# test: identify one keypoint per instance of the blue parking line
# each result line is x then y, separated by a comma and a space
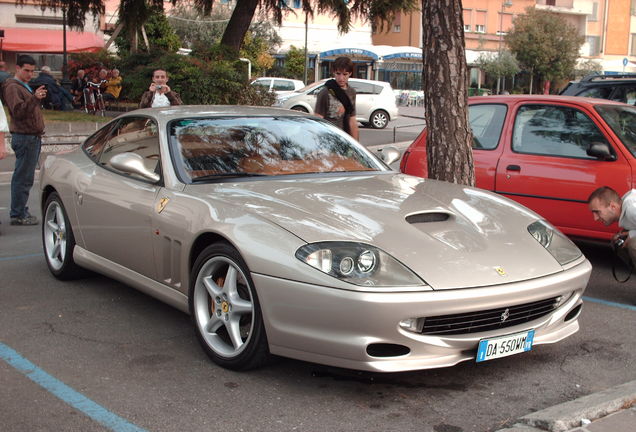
12, 258
77, 400
610, 303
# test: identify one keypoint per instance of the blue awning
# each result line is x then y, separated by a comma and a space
349, 52
403, 55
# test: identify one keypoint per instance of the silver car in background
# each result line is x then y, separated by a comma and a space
280, 86
375, 101
280, 234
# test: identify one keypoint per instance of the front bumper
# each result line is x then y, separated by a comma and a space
335, 327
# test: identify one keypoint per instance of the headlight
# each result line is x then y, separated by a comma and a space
357, 263
280, 99
559, 246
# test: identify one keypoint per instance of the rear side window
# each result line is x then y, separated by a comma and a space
486, 121
362, 87
554, 130
597, 92
283, 85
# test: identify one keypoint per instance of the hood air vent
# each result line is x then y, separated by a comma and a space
427, 217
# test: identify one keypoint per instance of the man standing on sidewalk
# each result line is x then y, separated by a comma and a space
27, 128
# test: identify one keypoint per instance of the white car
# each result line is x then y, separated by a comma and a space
279, 86
375, 102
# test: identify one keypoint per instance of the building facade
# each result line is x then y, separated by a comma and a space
30, 30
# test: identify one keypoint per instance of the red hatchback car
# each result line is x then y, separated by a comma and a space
548, 153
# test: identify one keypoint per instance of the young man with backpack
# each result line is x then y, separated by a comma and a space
337, 101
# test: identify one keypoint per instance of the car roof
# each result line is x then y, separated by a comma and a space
542, 98
180, 111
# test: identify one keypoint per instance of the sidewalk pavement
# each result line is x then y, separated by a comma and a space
611, 410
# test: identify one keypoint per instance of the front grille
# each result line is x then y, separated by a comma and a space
493, 319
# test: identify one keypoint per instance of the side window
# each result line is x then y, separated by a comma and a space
554, 130
597, 92
135, 135
362, 87
625, 94
265, 83
486, 121
283, 85
317, 90
94, 144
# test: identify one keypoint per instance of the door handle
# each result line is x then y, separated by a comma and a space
513, 168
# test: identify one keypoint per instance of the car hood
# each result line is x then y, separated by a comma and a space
452, 236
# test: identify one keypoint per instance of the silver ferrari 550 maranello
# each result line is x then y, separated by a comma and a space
279, 234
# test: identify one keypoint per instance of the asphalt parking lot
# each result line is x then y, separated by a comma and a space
94, 355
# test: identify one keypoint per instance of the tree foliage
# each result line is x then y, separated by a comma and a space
504, 65
160, 34
544, 44
381, 12
76, 10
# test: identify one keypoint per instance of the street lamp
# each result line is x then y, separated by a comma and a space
66, 83
504, 4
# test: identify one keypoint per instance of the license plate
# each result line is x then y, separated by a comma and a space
504, 346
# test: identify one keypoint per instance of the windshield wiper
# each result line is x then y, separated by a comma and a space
226, 175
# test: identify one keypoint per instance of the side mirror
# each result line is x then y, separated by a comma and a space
601, 151
132, 163
389, 154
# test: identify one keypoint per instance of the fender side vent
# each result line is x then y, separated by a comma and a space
427, 217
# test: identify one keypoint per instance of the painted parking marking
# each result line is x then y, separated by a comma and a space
73, 398
610, 303
19, 257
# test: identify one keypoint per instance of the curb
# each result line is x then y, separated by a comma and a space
568, 415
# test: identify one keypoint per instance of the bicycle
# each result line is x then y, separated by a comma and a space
93, 99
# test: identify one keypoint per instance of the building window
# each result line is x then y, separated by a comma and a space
550, 2
396, 28
633, 8
632, 51
297, 4
41, 20
593, 17
480, 21
594, 45
467, 15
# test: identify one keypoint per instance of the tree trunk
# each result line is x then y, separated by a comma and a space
239, 23
445, 84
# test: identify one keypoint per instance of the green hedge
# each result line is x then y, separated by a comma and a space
205, 77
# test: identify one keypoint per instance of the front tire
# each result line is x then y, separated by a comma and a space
225, 309
379, 119
300, 108
58, 240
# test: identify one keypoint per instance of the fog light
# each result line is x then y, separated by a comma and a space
412, 324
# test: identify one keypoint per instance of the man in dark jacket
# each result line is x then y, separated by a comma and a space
54, 91
27, 128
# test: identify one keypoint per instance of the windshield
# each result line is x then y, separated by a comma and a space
622, 120
208, 149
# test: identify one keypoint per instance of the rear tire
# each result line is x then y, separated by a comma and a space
225, 309
58, 240
379, 119
300, 108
